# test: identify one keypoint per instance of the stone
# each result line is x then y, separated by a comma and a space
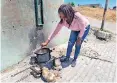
36, 75
48, 75
55, 54
59, 68
103, 35
36, 69
57, 62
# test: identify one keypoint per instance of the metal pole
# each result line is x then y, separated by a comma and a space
104, 14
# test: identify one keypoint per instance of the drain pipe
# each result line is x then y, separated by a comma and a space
36, 34
38, 4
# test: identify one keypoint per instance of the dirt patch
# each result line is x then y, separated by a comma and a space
97, 13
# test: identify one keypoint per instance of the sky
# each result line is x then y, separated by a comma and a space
112, 3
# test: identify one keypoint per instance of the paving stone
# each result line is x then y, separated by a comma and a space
92, 69
112, 73
96, 63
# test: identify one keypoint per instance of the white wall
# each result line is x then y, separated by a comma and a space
18, 28
50, 21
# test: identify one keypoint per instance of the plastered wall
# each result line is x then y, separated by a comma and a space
19, 34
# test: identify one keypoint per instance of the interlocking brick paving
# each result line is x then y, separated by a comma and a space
96, 63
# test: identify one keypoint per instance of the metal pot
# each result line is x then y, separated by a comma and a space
43, 55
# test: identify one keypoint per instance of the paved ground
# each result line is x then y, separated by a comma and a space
110, 26
96, 63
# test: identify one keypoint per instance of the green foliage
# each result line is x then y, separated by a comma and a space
72, 4
94, 6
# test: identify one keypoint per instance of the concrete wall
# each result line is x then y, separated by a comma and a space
18, 30
19, 35
50, 21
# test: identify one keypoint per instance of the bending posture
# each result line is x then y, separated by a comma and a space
79, 26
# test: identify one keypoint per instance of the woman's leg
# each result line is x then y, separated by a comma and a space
78, 47
72, 40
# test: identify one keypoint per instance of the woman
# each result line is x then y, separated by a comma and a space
79, 26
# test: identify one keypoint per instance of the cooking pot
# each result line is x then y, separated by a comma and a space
43, 55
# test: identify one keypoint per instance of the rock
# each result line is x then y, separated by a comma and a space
48, 75
57, 74
36, 69
36, 75
51, 77
103, 35
45, 71
57, 62
58, 68
55, 54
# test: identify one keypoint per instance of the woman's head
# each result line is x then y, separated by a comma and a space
66, 12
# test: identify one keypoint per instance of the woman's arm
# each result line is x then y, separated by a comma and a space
82, 30
79, 39
53, 34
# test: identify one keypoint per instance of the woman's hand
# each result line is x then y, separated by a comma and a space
79, 41
45, 43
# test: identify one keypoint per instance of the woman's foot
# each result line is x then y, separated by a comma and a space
73, 64
63, 59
